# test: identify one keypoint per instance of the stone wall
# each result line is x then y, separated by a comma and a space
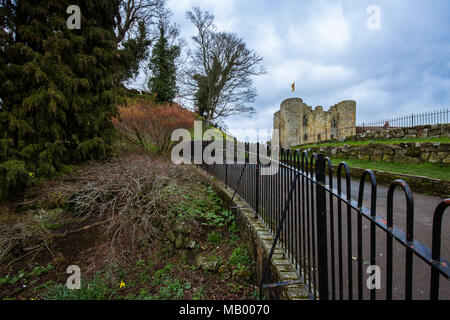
430, 186
426, 131
401, 153
259, 241
299, 123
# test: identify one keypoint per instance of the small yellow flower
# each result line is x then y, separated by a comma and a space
31, 174
122, 284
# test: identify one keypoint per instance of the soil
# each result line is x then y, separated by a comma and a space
121, 263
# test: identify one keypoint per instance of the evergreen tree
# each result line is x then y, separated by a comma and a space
61, 87
134, 51
163, 68
205, 91
201, 96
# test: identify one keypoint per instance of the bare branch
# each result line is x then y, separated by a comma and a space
131, 12
220, 71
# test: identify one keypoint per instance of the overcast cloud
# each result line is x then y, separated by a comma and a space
327, 49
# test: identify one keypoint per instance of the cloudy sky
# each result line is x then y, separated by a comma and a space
326, 47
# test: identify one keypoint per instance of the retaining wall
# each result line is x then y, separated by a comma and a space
401, 153
258, 240
425, 131
425, 185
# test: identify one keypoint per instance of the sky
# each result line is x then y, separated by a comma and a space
398, 66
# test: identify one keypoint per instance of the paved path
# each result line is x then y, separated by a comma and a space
424, 207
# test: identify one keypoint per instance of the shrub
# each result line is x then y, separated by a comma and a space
214, 237
151, 125
96, 289
240, 257
58, 88
14, 178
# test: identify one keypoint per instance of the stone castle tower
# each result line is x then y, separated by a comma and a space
299, 123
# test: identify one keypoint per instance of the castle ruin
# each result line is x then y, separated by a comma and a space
299, 123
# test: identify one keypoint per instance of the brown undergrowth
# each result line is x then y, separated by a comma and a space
112, 219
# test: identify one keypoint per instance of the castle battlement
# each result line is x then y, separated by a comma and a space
299, 123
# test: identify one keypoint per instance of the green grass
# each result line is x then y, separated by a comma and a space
430, 170
240, 257
25, 277
214, 237
95, 289
381, 141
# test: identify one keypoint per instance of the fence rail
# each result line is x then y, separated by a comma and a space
425, 118
329, 236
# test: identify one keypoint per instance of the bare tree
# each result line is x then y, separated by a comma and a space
136, 30
131, 12
219, 76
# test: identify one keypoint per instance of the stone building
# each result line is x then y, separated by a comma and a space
299, 123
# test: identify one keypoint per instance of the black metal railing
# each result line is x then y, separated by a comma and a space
425, 118
329, 236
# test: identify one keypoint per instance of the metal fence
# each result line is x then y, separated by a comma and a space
425, 118
332, 238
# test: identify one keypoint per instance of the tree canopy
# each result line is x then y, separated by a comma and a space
163, 80
219, 76
59, 87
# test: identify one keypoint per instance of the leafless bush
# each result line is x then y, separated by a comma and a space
21, 235
128, 196
130, 192
151, 125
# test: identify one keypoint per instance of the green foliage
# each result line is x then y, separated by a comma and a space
214, 237
221, 68
201, 95
96, 289
134, 96
140, 263
380, 141
207, 206
240, 257
168, 287
173, 289
23, 276
162, 65
162, 274
59, 88
38, 270
134, 50
241, 263
14, 178
198, 295
196, 204
431, 170
234, 240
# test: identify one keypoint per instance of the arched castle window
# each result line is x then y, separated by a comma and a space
305, 121
318, 137
333, 123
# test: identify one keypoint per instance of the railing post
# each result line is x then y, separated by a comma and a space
226, 174
224, 155
436, 247
257, 181
322, 263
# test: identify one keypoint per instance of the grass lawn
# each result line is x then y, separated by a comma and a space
430, 170
382, 141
